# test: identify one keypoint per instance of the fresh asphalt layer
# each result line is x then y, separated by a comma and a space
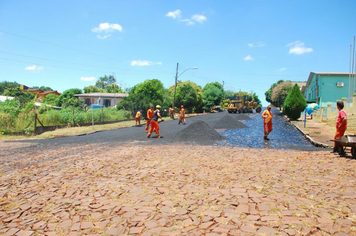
284, 135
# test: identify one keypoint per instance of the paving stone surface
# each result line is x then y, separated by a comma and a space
178, 190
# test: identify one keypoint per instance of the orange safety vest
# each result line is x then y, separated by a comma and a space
149, 113
182, 111
267, 116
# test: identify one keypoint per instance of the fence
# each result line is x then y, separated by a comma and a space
41, 129
39, 124
330, 113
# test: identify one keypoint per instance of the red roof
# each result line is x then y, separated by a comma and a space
49, 92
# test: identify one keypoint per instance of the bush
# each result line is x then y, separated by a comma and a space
294, 103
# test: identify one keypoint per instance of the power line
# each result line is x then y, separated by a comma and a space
6, 59
69, 68
46, 59
57, 45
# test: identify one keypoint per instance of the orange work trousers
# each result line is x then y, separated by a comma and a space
268, 127
182, 120
154, 126
137, 120
148, 124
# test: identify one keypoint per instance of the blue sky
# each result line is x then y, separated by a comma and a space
247, 44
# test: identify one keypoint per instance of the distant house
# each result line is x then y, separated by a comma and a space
300, 84
326, 88
40, 94
44, 94
105, 99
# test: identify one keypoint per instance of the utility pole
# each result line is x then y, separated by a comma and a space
175, 86
176, 77
223, 98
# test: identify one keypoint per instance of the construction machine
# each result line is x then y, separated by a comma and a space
242, 104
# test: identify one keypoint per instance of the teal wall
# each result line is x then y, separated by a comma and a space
310, 91
329, 92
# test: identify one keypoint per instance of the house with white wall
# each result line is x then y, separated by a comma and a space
104, 99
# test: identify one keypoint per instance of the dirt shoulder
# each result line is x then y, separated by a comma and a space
319, 132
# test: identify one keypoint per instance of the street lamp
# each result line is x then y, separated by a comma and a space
176, 77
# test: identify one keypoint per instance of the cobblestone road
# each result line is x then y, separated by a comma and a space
109, 188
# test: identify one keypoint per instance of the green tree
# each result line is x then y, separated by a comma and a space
6, 85
197, 107
268, 93
229, 94
142, 95
114, 88
65, 99
102, 82
294, 103
50, 99
93, 89
12, 107
186, 95
213, 94
280, 93
43, 88
256, 99
22, 97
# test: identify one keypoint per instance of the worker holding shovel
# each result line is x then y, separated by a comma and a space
154, 122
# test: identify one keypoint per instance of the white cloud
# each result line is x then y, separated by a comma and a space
282, 69
144, 63
199, 18
34, 67
103, 37
177, 14
259, 44
189, 22
248, 58
298, 48
105, 29
87, 78
174, 14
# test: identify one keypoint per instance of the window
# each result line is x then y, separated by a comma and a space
107, 102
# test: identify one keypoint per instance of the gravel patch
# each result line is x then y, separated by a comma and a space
228, 122
198, 132
243, 117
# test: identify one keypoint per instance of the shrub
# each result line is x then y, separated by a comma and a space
280, 92
294, 103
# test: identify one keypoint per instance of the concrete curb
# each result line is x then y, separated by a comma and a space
316, 144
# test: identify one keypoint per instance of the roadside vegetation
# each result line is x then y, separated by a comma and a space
18, 115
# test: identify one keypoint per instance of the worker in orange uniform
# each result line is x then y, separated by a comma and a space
268, 126
341, 126
182, 115
138, 118
154, 122
171, 113
149, 117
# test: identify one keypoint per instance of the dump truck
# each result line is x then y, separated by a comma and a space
243, 105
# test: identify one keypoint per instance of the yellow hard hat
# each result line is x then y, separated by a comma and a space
158, 107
